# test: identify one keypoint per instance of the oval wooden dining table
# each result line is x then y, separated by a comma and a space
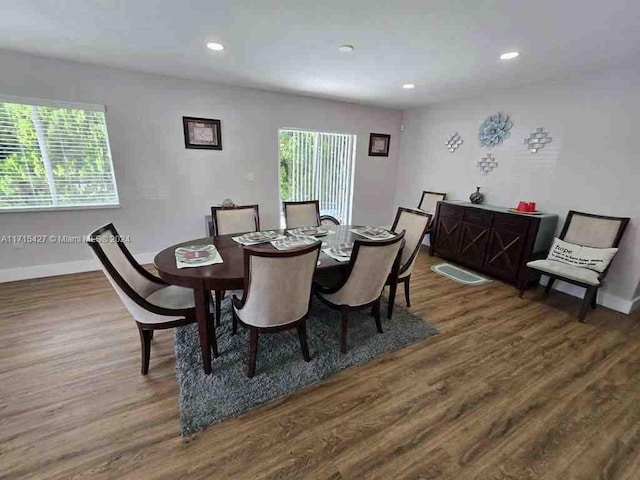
229, 275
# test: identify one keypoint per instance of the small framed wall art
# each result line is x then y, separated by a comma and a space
203, 133
379, 144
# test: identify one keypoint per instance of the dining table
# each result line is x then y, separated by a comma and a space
229, 275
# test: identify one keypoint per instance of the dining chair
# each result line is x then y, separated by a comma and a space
587, 230
371, 263
235, 219
229, 220
429, 202
302, 214
277, 294
152, 303
328, 220
415, 223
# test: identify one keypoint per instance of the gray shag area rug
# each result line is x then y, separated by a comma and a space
280, 368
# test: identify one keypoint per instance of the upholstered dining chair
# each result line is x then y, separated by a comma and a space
415, 223
152, 303
587, 230
371, 263
229, 220
235, 219
277, 294
429, 201
302, 214
328, 220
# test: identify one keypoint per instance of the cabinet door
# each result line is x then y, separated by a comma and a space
504, 253
447, 237
473, 243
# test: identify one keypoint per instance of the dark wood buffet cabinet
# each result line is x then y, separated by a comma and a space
491, 240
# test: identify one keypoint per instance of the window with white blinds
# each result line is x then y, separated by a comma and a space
318, 166
54, 156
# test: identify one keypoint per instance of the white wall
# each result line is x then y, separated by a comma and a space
165, 189
593, 163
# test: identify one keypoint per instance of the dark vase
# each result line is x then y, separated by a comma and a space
476, 197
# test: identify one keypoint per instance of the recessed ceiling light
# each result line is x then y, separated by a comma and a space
509, 55
215, 46
346, 48
408, 86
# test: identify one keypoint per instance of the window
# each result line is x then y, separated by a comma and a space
318, 166
54, 156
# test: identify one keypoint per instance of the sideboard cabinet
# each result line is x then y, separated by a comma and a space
491, 240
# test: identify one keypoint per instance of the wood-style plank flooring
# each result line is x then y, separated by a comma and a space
510, 389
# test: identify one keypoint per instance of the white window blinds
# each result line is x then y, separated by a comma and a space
318, 166
54, 156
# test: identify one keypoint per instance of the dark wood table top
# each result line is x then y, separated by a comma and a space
229, 275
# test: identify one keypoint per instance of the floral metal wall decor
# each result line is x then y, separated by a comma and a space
455, 140
495, 129
487, 163
537, 140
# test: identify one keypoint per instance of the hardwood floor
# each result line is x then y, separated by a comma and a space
510, 389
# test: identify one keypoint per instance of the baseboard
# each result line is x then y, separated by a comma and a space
605, 299
53, 269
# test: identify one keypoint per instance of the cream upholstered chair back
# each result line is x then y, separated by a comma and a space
236, 219
594, 231
415, 224
277, 285
371, 263
429, 201
131, 282
302, 214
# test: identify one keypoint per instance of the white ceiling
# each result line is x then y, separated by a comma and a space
448, 48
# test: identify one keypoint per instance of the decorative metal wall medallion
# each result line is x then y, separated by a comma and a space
486, 164
455, 140
537, 140
495, 129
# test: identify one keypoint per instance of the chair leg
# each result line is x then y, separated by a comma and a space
151, 334
392, 298
376, 315
234, 321
586, 303
406, 282
594, 300
343, 336
524, 282
547, 289
253, 351
211, 326
218, 295
145, 344
302, 336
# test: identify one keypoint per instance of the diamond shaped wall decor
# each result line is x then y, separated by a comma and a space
537, 140
455, 140
487, 163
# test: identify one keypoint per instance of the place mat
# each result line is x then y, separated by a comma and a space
256, 238
293, 241
373, 233
197, 256
341, 253
310, 231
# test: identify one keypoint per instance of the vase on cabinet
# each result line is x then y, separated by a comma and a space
476, 197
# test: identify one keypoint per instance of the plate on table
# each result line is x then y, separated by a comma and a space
342, 250
293, 241
265, 236
196, 254
310, 231
375, 232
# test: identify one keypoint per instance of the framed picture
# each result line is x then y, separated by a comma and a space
204, 133
379, 144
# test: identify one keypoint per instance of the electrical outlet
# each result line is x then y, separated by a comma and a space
251, 176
